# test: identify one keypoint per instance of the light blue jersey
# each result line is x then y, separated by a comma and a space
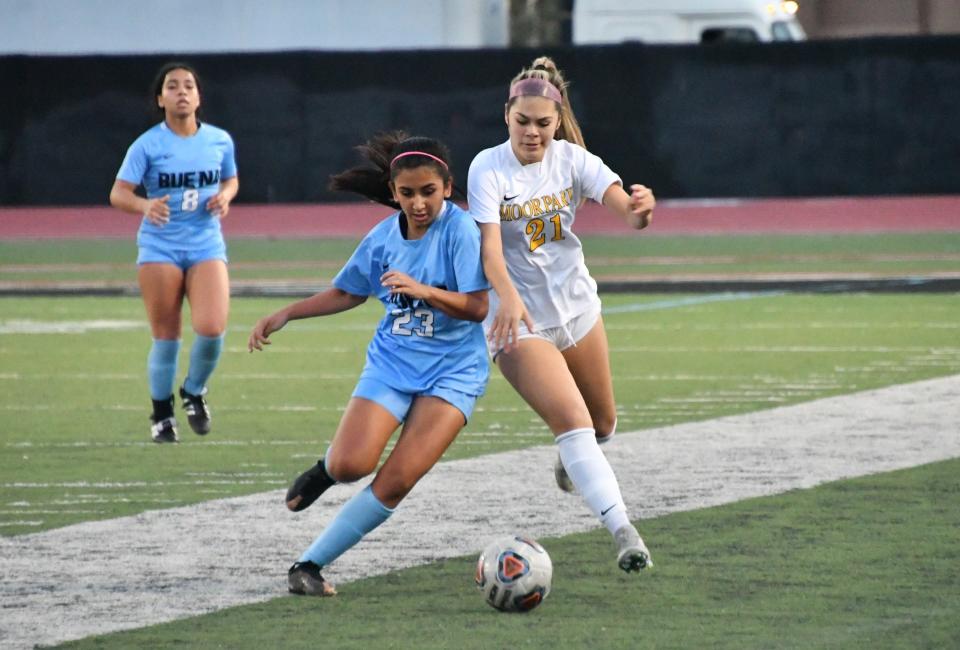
417, 346
189, 169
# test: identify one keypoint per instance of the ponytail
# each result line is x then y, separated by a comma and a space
388, 153
545, 68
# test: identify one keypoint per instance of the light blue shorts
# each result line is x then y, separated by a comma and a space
398, 402
181, 258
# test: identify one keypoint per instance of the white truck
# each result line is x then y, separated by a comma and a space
684, 21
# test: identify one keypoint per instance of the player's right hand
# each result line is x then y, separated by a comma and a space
158, 212
505, 329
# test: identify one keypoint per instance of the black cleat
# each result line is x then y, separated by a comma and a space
308, 487
198, 413
165, 431
304, 578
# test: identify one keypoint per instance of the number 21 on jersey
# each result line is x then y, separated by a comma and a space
537, 228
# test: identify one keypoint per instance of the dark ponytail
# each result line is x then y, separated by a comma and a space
380, 150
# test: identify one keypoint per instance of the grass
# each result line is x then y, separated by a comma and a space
75, 442
866, 563
608, 257
863, 563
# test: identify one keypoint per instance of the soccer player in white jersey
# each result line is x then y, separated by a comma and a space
544, 326
427, 363
189, 174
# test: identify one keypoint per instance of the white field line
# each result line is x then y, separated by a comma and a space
162, 565
27, 326
779, 327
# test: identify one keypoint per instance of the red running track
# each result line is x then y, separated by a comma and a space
706, 217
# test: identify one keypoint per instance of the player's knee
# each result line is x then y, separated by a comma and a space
348, 470
167, 332
210, 329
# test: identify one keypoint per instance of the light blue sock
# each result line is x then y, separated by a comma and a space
162, 367
358, 516
204, 354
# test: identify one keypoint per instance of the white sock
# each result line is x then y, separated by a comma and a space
590, 472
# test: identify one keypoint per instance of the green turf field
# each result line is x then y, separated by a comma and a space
863, 563
608, 257
76, 444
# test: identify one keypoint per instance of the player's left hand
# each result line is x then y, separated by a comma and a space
218, 205
642, 203
399, 282
260, 335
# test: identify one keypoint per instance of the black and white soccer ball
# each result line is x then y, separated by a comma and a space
514, 573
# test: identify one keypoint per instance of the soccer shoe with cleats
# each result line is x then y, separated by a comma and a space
308, 487
304, 578
198, 413
632, 553
165, 431
563, 479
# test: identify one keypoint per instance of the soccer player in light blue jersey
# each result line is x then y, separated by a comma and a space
189, 175
427, 363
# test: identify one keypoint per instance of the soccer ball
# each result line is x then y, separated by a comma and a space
514, 573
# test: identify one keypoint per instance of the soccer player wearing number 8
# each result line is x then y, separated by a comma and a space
427, 363
189, 175
544, 327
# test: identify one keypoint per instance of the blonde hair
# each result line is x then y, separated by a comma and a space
544, 68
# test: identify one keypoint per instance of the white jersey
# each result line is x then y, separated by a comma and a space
536, 205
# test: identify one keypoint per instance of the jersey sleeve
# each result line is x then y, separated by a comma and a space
465, 254
595, 176
135, 163
483, 193
228, 168
354, 277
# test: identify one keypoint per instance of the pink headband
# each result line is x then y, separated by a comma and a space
535, 87
417, 153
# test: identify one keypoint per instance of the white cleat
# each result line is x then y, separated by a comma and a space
632, 553
563, 479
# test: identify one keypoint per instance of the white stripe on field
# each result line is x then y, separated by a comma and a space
161, 565
780, 326
673, 303
27, 326
793, 349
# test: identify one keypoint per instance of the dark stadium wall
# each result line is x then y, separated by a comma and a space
820, 118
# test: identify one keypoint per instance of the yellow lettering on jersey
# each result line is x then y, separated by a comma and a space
526, 210
537, 210
509, 212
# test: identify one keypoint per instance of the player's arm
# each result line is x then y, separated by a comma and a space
504, 330
484, 198
331, 301
219, 203
636, 208
123, 197
471, 305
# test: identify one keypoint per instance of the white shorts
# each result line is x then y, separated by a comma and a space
563, 336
